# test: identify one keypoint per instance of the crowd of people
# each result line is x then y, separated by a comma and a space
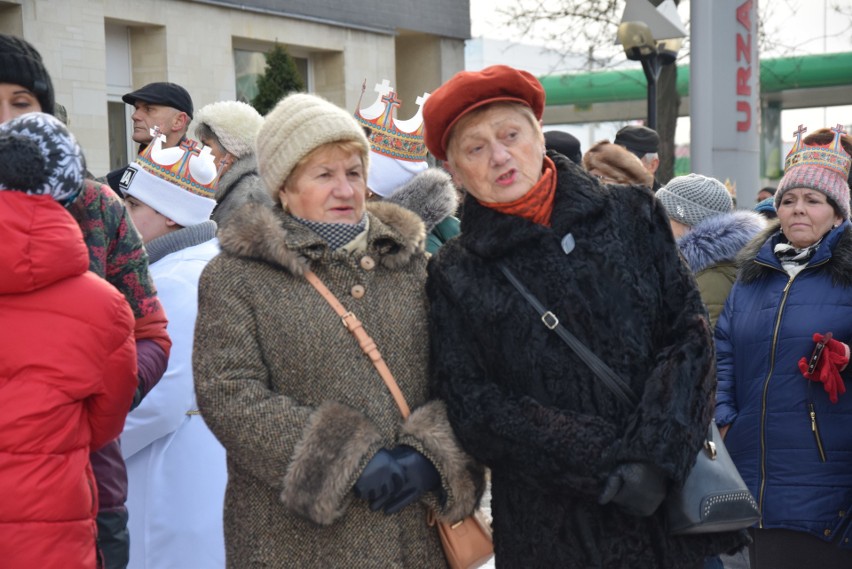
198, 402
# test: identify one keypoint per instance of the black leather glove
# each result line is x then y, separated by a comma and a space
421, 476
380, 481
637, 487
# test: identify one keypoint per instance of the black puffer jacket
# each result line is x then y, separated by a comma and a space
523, 404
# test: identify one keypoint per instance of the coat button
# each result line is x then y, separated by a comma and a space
842, 513
827, 532
357, 291
367, 263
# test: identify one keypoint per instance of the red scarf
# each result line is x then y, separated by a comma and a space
537, 204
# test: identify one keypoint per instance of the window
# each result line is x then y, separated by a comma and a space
119, 82
250, 65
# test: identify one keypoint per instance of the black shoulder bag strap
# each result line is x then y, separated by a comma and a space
610, 379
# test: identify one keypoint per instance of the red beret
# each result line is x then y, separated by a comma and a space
469, 90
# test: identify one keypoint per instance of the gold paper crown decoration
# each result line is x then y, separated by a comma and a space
831, 156
402, 140
189, 165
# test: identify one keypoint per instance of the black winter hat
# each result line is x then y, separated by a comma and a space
639, 140
565, 144
21, 64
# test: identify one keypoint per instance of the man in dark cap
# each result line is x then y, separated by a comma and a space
166, 106
565, 144
644, 142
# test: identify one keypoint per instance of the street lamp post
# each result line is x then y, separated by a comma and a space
651, 66
639, 45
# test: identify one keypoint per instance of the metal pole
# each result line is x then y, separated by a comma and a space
651, 66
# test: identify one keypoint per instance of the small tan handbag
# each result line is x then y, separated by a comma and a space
467, 543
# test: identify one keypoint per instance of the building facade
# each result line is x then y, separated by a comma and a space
98, 50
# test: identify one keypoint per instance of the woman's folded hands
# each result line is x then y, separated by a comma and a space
395, 478
637, 487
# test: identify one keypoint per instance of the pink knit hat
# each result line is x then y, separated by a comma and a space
824, 168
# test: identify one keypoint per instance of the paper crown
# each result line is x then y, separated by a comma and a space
178, 182
830, 156
402, 140
189, 165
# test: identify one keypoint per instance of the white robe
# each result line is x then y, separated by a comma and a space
175, 466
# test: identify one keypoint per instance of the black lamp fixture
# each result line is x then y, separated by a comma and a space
639, 45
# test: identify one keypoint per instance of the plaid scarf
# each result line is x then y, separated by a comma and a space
336, 234
537, 204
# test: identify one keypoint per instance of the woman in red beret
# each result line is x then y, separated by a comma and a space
603, 260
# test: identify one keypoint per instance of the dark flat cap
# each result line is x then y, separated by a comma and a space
564, 143
639, 140
166, 94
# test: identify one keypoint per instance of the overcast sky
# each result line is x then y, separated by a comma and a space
800, 27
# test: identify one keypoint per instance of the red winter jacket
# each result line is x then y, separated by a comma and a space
67, 378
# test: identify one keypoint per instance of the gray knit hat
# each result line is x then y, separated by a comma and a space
299, 124
693, 198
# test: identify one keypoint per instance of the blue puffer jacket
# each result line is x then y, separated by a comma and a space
792, 446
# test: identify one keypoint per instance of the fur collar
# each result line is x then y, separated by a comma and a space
839, 241
578, 197
430, 194
245, 166
268, 234
719, 238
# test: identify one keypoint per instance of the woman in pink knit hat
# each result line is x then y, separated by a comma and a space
782, 344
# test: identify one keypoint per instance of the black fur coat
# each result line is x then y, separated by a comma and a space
524, 405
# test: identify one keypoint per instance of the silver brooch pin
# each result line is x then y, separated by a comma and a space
568, 243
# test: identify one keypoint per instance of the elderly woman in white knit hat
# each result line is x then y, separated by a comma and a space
229, 129
709, 234
323, 471
782, 345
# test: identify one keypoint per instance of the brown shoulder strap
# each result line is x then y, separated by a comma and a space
351, 322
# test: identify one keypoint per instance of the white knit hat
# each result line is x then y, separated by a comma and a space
299, 124
693, 198
234, 123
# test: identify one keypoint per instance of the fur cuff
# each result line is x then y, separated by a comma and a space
337, 441
428, 430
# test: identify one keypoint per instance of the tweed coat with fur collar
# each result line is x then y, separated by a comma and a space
522, 403
299, 408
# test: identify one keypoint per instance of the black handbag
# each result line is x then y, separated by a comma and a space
714, 497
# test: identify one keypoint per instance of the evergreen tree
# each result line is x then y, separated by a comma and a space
280, 79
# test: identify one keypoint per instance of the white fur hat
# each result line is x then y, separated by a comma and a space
234, 123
